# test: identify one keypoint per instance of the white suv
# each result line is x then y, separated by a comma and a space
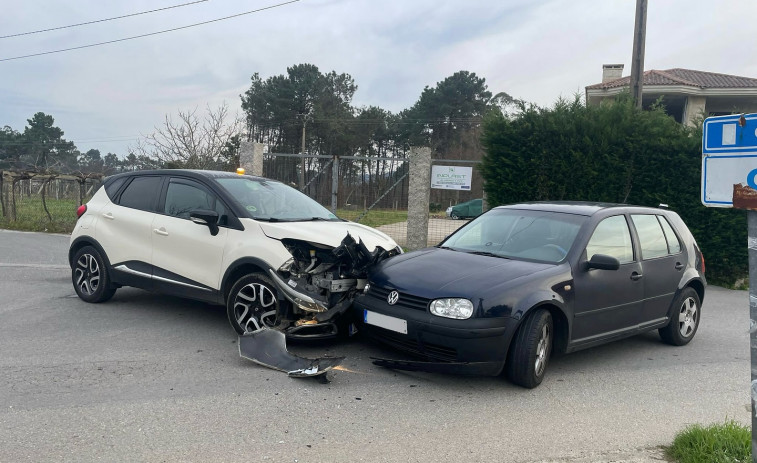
272, 255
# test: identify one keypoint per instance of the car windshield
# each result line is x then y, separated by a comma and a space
273, 201
518, 234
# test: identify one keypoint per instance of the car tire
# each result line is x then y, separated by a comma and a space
251, 296
89, 276
684, 319
530, 350
454, 215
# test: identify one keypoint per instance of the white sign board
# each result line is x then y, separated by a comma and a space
451, 177
729, 161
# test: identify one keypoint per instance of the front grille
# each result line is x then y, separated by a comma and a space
412, 346
405, 300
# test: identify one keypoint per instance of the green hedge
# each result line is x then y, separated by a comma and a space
613, 153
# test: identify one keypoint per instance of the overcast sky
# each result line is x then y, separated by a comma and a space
105, 97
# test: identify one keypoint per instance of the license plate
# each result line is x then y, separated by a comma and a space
384, 321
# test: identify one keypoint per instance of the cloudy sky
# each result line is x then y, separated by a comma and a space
106, 97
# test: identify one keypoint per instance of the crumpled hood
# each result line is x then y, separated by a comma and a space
328, 233
435, 272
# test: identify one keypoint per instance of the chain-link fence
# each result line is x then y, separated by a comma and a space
375, 191
43, 202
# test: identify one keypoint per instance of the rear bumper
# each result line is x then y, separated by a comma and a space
475, 346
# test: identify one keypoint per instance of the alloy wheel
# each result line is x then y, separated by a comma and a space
251, 303
87, 274
542, 350
688, 317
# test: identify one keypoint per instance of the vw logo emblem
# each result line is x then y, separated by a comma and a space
393, 297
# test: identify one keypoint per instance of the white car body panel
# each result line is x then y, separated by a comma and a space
328, 233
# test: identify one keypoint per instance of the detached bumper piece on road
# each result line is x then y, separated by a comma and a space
267, 347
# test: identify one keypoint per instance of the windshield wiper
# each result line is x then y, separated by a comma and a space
487, 253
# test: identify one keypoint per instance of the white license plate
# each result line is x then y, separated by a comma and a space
384, 321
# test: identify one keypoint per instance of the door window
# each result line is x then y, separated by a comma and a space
141, 193
674, 246
651, 236
612, 238
183, 197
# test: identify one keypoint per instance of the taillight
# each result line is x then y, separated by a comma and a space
702, 256
80, 211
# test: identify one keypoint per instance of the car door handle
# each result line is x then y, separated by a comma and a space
160, 231
635, 276
679, 266
108, 215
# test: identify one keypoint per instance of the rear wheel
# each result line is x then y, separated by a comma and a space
90, 276
252, 303
684, 321
530, 350
454, 215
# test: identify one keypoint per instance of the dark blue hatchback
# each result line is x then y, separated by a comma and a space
522, 281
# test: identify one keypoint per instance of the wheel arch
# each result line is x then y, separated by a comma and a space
238, 269
698, 286
560, 325
83, 241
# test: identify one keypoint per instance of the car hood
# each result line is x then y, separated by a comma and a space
436, 272
327, 233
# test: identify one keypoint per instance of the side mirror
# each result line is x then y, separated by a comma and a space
205, 217
603, 262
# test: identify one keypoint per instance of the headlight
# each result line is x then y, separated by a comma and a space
452, 308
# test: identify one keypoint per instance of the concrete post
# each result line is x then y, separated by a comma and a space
418, 197
251, 157
752, 253
334, 183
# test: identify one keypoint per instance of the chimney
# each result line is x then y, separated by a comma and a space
611, 72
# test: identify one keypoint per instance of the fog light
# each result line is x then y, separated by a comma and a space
457, 308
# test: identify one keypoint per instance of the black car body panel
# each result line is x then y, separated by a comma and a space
588, 306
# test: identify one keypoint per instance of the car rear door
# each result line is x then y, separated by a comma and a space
607, 302
187, 259
663, 262
123, 229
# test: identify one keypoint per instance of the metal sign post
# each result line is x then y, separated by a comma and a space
729, 179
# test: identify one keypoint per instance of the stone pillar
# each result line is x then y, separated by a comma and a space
251, 157
418, 197
695, 107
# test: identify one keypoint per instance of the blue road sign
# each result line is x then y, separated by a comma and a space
729, 161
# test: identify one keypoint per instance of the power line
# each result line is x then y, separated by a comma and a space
151, 33
99, 20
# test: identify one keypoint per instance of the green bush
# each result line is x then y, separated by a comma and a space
611, 153
729, 442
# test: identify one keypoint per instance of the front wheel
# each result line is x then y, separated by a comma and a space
684, 321
530, 350
90, 276
252, 303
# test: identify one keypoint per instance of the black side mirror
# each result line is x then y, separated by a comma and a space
205, 217
603, 262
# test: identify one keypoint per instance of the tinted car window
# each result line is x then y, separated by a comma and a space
674, 246
653, 242
519, 234
141, 193
182, 198
112, 188
612, 238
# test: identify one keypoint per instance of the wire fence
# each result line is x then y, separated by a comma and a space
374, 191
43, 202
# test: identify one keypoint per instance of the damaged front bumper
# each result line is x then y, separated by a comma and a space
267, 347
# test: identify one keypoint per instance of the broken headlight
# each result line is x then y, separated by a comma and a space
457, 308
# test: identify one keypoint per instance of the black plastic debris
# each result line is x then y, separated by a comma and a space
267, 347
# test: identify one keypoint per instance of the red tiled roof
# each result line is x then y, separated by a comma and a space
686, 77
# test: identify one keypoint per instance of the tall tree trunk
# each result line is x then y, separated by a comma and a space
2, 196
44, 203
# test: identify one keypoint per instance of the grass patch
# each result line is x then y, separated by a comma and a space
729, 442
31, 216
375, 217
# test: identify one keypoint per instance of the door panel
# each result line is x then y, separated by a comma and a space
608, 301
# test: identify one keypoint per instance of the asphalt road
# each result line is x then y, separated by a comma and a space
153, 378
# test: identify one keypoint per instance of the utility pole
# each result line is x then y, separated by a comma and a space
302, 151
637, 60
